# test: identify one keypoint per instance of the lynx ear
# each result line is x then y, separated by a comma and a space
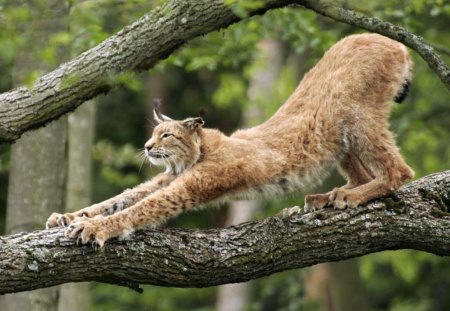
157, 115
193, 123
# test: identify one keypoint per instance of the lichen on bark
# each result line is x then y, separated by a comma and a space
195, 258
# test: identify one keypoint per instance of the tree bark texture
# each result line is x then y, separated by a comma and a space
142, 44
415, 217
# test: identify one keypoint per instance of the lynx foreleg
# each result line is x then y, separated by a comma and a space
112, 205
150, 211
195, 188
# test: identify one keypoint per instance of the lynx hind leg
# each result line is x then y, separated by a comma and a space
316, 201
355, 173
382, 158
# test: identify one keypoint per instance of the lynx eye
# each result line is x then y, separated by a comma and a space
166, 135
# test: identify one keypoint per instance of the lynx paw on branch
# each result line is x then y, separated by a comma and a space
337, 116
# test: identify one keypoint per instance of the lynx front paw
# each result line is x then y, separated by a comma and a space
59, 220
342, 198
86, 230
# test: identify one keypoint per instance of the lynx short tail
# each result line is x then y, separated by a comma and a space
403, 92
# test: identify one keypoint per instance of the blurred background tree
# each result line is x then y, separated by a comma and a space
218, 72
37, 172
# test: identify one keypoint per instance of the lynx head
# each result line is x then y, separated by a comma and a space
174, 144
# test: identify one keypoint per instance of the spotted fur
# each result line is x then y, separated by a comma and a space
336, 116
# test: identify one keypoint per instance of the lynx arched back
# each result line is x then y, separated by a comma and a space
338, 115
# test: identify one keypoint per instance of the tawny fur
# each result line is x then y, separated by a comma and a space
338, 115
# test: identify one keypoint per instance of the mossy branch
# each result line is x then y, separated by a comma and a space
415, 217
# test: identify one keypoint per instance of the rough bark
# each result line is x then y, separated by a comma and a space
415, 217
154, 37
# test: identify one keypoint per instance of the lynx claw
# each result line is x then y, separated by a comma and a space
63, 221
58, 220
345, 198
86, 230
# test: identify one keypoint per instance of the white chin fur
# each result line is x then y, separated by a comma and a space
168, 164
157, 161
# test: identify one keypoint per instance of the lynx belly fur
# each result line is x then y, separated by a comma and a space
338, 115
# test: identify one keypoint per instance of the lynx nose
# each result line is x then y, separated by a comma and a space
148, 147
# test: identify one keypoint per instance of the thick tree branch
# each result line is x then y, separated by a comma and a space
415, 217
136, 47
152, 38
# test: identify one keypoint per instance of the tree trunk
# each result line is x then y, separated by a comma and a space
236, 296
347, 291
317, 288
36, 182
336, 286
154, 37
36, 189
81, 126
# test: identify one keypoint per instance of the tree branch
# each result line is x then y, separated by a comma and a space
142, 44
415, 217
137, 47
329, 9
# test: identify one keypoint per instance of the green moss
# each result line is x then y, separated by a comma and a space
439, 194
70, 80
320, 216
395, 204
435, 212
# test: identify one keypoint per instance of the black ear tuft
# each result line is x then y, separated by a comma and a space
202, 112
193, 123
157, 115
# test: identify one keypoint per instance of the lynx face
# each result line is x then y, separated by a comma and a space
174, 144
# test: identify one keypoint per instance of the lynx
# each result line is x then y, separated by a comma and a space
338, 115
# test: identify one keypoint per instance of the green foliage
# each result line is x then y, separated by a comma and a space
215, 71
281, 292
392, 277
231, 88
242, 7
114, 161
153, 298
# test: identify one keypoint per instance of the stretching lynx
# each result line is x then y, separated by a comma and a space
337, 115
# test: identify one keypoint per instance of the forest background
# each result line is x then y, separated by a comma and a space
241, 75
